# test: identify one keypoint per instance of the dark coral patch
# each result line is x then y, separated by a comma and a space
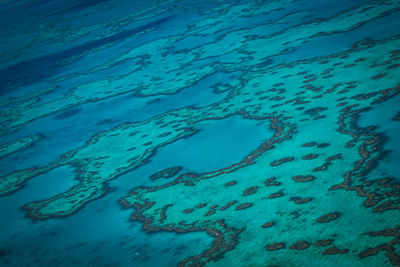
228, 205
295, 214
300, 245
323, 243
301, 73
393, 66
334, 157
319, 117
243, 206
67, 114
250, 191
201, 205
370, 202
323, 145
133, 133
303, 178
396, 117
210, 212
300, 200
313, 112
378, 76
166, 173
268, 224
360, 59
310, 156
230, 183
281, 161
329, 217
310, 144
327, 162
323, 167
188, 178
164, 134
272, 182
276, 194
152, 101
187, 210
370, 252
335, 251
275, 246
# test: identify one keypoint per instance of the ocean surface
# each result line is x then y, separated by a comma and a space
200, 133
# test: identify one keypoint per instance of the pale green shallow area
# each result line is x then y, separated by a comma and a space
310, 183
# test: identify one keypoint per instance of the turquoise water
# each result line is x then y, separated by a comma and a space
200, 133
